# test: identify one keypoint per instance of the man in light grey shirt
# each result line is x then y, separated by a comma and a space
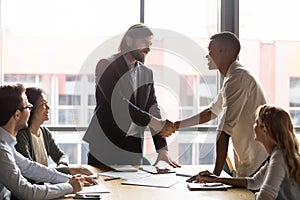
14, 114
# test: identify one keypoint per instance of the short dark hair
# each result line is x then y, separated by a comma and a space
10, 101
33, 94
136, 31
230, 39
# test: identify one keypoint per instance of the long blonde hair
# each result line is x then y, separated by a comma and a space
280, 127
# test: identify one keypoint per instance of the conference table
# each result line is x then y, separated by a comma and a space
178, 191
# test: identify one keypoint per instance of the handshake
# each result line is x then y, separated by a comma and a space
169, 128
164, 128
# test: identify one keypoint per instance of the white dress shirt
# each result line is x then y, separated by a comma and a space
13, 166
236, 105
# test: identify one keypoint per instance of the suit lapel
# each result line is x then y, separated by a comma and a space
141, 97
125, 79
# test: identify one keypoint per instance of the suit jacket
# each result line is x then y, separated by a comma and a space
116, 132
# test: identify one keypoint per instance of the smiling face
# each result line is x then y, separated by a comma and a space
214, 55
141, 48
259, 131
41, 109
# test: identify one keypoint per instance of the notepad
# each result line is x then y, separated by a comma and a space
206, 186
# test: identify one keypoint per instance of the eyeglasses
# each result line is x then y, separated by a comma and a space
29, 107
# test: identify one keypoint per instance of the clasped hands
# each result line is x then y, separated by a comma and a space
78, 181
169, 128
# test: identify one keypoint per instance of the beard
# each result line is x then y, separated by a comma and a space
139, 54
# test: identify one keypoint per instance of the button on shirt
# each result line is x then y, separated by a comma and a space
13, 166
236, 105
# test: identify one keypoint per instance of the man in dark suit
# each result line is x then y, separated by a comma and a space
126, 105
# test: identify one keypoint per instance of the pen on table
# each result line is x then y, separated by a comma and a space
112, 178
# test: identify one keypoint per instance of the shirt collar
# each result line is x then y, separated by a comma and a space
129, 64
7, 137
232, 67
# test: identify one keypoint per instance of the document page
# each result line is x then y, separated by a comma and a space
94, 189
153, 181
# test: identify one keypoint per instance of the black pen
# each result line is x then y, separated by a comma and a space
111, 178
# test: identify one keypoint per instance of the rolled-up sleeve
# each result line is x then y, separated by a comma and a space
216, 106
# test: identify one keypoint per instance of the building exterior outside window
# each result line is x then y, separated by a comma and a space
52, 53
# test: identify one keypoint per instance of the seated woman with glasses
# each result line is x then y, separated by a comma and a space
36, 141
280, 177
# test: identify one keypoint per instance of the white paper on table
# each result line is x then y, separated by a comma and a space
152, 181
94, 189
126, 175
124, 168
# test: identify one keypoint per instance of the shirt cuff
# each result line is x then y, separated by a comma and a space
156, 124
65, 170
66, 187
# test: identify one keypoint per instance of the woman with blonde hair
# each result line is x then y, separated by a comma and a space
280, 177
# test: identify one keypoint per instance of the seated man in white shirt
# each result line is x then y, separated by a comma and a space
14, 114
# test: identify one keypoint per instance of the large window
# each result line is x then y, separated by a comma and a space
55, 45
271, 44
46, 43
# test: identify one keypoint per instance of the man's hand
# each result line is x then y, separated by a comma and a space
206, 177
177, 125
80, 170
168, 129
202, 177
77, 183
163, 155
88, 181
